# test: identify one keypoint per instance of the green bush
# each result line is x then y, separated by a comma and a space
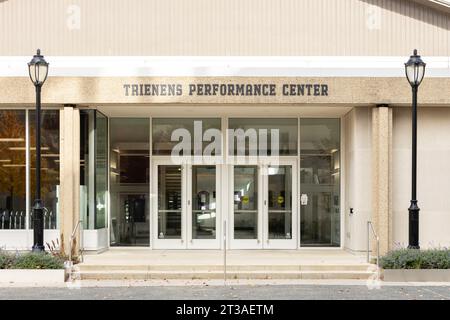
30, 260
416, 259
5, 260
37, 261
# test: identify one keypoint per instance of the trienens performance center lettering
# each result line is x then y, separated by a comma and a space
225, 89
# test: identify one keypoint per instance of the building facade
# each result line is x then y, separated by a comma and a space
293, 118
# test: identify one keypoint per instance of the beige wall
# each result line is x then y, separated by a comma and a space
358, 152
222, 27
342, 91
433, 176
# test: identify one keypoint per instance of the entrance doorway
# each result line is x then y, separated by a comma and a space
159, 203
264, 206
187, 202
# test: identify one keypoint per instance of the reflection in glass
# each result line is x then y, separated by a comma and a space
129, 179
287, 130
320, 182
280, 202
12, 169
162, 129
245, 202
169, 202
49, 165
101, 169
204, 202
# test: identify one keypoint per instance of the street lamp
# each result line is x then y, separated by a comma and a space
38, 70
415, 70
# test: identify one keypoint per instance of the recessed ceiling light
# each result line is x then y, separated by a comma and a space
12, 139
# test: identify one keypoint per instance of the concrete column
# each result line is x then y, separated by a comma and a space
382, 176
69, 176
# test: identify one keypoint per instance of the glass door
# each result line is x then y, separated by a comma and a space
186, 206
280, 205
203, 207
169, 205
246, 218
264, 210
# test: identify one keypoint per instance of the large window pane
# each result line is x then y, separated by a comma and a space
49, 165
101, 169
12, 169
129, 178
163, 128
256, 130
320, 181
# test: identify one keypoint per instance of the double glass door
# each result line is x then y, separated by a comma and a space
263, 206
186, 200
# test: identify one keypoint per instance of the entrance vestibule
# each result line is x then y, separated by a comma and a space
289, 203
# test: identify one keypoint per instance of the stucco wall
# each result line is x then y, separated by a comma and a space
433, 176
358, 179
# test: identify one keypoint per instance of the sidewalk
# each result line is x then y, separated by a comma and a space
206, 291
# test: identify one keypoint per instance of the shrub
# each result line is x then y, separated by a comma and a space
6, 259
416, 259
33, 260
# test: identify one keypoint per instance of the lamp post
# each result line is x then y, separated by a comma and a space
38, 70
415, 71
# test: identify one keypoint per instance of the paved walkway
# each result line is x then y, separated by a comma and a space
234, 292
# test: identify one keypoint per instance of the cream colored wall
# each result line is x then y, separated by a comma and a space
433, 175
223, 27
358, 179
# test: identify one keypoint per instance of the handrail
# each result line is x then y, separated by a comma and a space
72, 236
377, 238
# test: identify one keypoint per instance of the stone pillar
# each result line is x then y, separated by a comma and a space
382, 176
69, 176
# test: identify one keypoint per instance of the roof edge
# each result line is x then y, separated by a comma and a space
440, 5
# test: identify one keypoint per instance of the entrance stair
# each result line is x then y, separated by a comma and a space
208, 265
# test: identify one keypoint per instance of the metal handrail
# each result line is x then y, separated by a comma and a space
377, 238
72, 236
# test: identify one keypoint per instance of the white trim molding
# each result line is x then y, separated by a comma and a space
204, 66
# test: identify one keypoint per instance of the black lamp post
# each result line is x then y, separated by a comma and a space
415, 70
38, 70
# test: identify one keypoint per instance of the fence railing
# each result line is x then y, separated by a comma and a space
16, 220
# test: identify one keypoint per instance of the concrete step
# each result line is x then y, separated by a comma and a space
209, 275
219, 268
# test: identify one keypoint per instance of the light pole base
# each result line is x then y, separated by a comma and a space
413, 225
38, 227
37, 248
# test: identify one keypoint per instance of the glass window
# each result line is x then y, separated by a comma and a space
320, 182
93, 168
162, 129
12, 169
49, 164
263, 137
101, 169
129, 177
